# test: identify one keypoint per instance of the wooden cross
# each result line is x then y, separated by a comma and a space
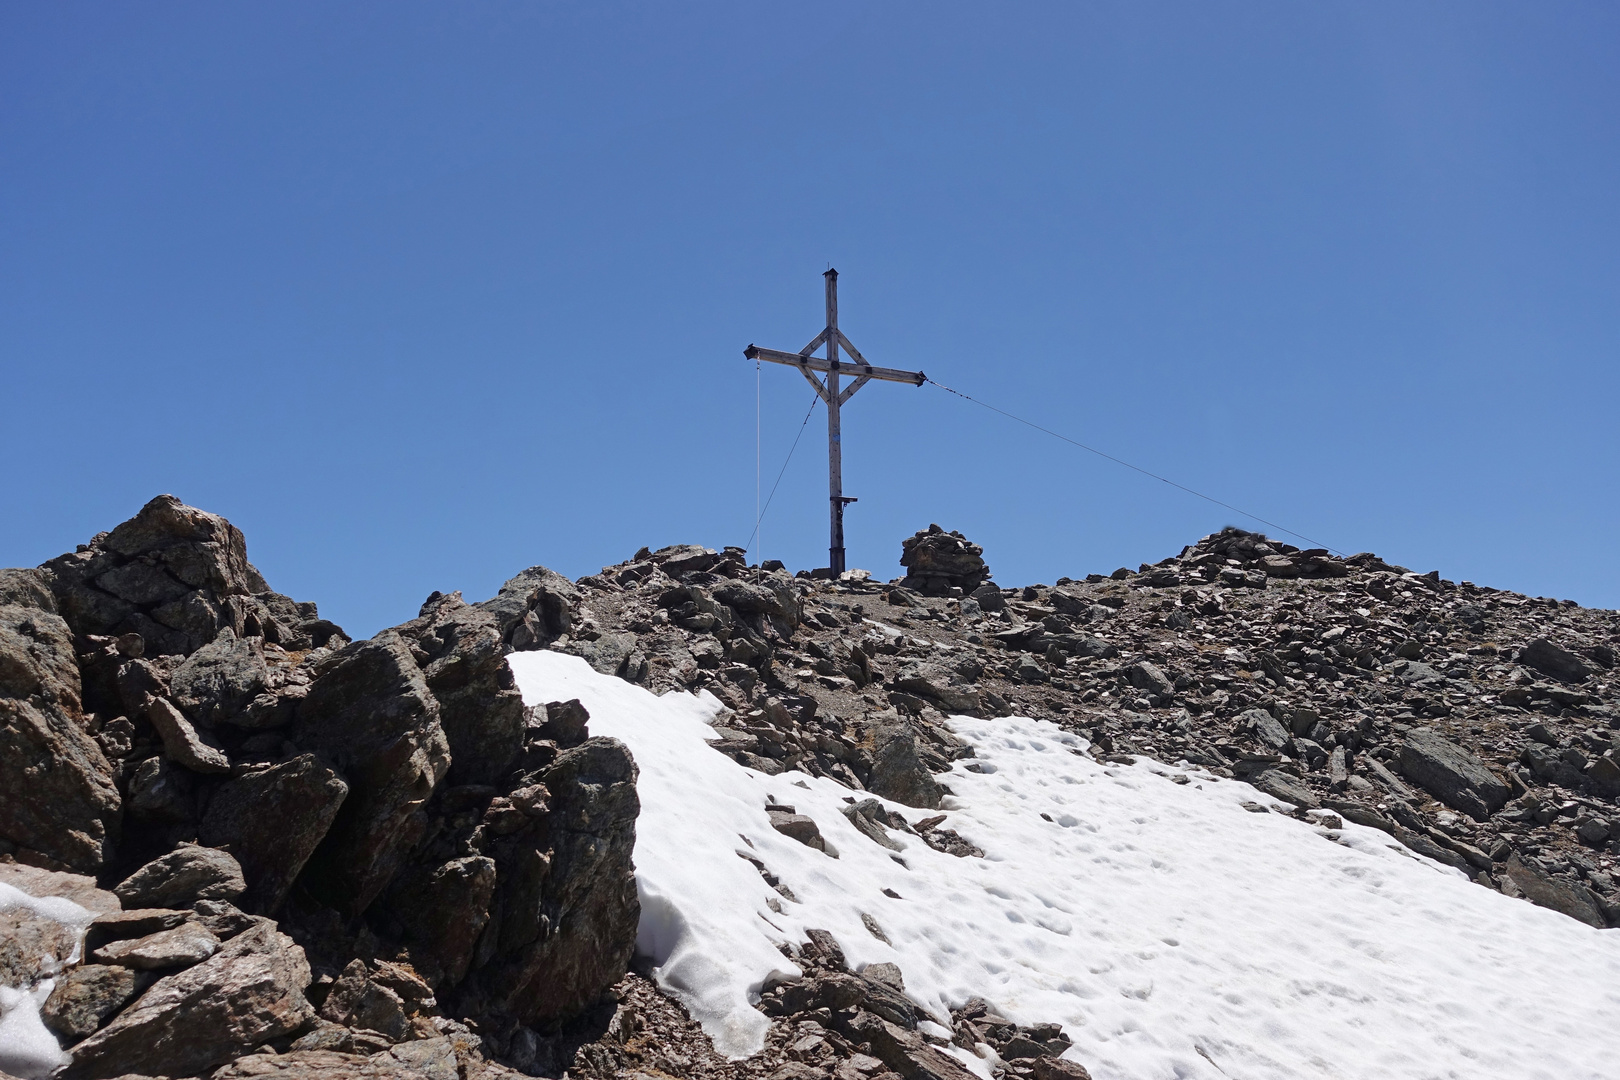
833, 338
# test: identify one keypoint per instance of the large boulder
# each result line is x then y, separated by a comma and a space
273, 819
936, 560
57, 792
369, 712
176, 576
248, 993
533, 609
898, 772
218, 681
182, 877
1550, 659
567, 924
463, 659
1452, 775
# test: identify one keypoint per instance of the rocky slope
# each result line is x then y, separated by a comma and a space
377, 861
313, 846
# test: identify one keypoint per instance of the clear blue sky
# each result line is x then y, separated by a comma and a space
421, 294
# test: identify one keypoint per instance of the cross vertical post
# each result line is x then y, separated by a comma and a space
862, 373
835, 435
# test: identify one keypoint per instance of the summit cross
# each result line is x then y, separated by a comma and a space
832, 367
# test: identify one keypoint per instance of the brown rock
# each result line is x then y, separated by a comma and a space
85, 997
182, 877
32, 946
57, 795
248, 993
186, 944
181, 741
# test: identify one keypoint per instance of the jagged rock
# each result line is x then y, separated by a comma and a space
1553, 660
564, 723
1266, 728
132, 923
937, 560
181, 878
1280, 785
898, 773
181, 741
444, 910
1540, 889
370, 713
247, 994
1055, 1068
356, 1000
567, 931
310, 1064
463, 660
1451, 774
217, 682
57, 794
32, 946
273, 819
534, 608
940, 685
184, 945
160, 791
84, 998
26, 588
1147, 678
800, 827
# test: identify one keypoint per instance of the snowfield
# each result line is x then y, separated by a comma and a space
1172, 932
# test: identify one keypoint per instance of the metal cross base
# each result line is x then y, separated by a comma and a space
833, 338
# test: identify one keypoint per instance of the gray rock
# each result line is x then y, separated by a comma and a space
181, 742
370, 714
1266, 728
133, 923
444, 909
940, 685
181, 878
898, 773
464, 662
217, 682
57, 794
247, 994
1280, 785
1550, 659
84, 998
160, 792
1451, 774
567, 927
534, 609
273, 819
26, 588
800, 827
1544, 891
1150, 680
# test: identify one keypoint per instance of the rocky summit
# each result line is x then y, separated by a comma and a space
272, 850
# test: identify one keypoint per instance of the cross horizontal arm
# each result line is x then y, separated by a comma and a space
817, 363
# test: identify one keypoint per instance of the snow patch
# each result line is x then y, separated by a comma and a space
27, 1048
1171, 931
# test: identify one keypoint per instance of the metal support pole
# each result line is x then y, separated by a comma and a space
835, 450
